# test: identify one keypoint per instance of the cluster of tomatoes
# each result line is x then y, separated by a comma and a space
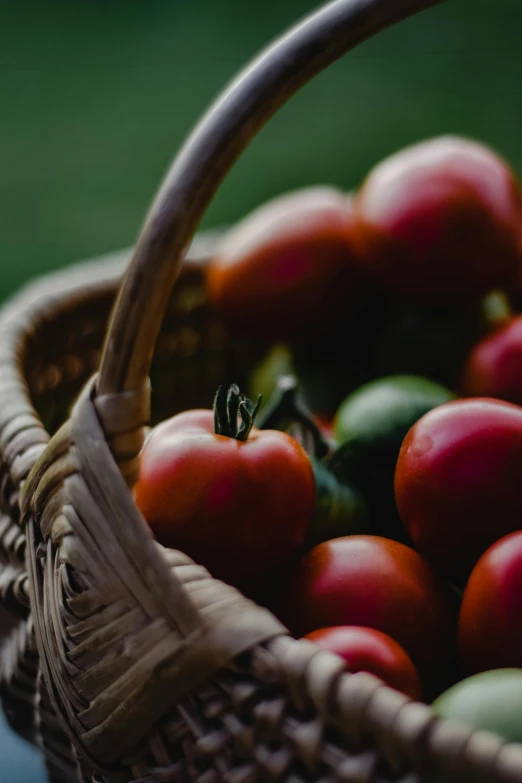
373, 500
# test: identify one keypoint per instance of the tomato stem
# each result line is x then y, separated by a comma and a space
248, 412
286, 406
234, 413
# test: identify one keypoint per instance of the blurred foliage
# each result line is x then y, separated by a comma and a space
97, 96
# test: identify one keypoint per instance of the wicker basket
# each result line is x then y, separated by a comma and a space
130, 662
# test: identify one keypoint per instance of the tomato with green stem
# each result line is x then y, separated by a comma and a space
236, 499
339, 508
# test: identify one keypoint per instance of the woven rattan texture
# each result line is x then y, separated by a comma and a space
147, 669
279, 712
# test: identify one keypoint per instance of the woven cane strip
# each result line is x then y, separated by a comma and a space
278, 715
60, 758
93, 578
182, 747
12, 541
66, 295
22, 440
18, 673
14, 593
208, 751
324, 725
240, 728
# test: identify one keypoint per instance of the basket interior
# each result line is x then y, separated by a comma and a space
194, 352
280, 711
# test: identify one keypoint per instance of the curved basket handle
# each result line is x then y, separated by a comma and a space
218, 140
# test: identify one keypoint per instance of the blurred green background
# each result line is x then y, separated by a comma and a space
98, 95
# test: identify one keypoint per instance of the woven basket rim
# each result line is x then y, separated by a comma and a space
64, 462
103, 272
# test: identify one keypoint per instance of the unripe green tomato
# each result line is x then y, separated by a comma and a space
490, 701
370, 427
382, 411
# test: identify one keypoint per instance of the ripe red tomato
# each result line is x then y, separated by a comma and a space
457, 481
376, 583
240, 508
368, 650
441, 218
494, 366
287, 265
490, 632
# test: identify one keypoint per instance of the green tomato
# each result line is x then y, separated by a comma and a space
490, 701
370, 426
383, 410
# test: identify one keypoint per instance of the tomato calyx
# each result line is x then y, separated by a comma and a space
286, 407
234, 413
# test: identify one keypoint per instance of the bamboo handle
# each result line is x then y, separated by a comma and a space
217, 141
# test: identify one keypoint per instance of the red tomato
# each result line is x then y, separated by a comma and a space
494, 367
240, 508
287, 265
457, 481
490, 632
368, 650
441, 218
376, 583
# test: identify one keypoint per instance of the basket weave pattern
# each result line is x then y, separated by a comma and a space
130, 663
280, 710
